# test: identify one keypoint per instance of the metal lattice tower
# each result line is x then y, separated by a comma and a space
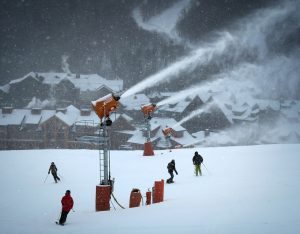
148, 129
104, 155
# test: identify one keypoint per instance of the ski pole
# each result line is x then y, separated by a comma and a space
60, 175
46, 178
206, 168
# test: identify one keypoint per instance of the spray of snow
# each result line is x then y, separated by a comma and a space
248, 39
65, 65
37, 103
165, 22
200, 56
194, 113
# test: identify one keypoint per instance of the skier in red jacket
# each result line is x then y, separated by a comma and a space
67, 205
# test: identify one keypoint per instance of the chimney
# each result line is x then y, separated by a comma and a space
7, 110
36, 111
63, 110
85, 112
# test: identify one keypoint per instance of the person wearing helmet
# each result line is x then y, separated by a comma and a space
171, 168
67, 204
53, 170
197, 160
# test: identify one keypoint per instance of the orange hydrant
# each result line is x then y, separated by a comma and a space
158, 191
148, 198
135, 198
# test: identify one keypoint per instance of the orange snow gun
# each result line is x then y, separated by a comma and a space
105, 105
148, 110
167, 132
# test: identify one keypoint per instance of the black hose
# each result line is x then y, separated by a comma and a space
117, 201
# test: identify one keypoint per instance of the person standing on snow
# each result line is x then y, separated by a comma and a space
67, 204
171, 168
53, 170
197, 160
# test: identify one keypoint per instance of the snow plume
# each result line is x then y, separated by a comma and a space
250, 40
180, 95
165, 22
258, 54
272, 79
64, 64
254, 133
37, 103
202, 55
203, 109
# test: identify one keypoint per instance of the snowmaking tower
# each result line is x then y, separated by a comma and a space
168, 132
103, 108
148, 111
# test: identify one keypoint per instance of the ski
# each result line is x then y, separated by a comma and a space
59, 223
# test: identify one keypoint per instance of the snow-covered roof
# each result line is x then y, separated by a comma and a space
31, 75
126, 117
178, 107
227, 112
165, 122
47, 114
14, 118
83, 82
70, 116
134, 102
91, 119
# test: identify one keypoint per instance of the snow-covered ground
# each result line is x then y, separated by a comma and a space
249, 189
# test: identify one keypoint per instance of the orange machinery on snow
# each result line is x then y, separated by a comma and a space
148, 110
105, 105
168, 132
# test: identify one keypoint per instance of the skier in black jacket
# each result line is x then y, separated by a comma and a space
53, 170
197, 160
171, 167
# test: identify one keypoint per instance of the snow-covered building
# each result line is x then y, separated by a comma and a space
60, 128
64, 88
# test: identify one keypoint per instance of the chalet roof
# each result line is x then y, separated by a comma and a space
227, 112
134, 102
84, 82
32, 119
178, 107
70, 116
91, 120
126, 117
29, 75
165, 122
47, 114
14, 118
24, 116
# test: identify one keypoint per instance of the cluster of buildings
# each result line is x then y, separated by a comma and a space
53, 110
